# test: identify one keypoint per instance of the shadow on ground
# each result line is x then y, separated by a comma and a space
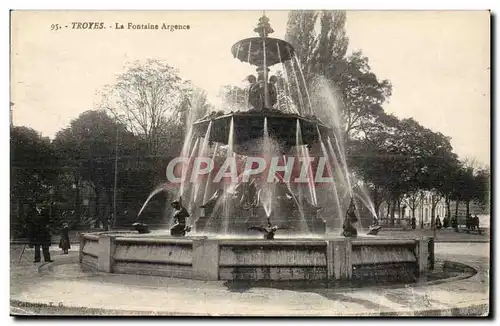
444, 271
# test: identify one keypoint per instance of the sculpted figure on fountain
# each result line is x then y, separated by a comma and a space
180, 228
348, 228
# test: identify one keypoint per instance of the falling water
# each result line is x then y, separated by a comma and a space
209, 178
340, 177
329, 106
247, 93
193, 113
277, 96
203, 152
266, 95
365, 200
163, 187
186, 184
301, 100
235, 89
330, 173
227, 208
185, 154
268, 189
344, 164
304, 153
304, 82
285, 74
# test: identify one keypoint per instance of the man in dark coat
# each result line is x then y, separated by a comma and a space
475, 222
39, 233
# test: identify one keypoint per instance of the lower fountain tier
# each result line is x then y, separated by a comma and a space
249, 126
239, 226
205, 258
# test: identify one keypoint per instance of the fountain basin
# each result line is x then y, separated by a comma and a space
212, 258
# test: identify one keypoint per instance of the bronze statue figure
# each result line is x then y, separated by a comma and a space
141, 227
180, 228
268, 231
348, 228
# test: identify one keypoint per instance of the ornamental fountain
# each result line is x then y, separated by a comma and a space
262, 226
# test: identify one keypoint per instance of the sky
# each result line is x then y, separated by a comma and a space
437, 62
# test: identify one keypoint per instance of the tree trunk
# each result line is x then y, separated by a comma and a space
422, 220
448, 209
467, 208
109, 215
393, 210
77, 202
400, 218
457, 202
377, 208
376, 201
97, 210
433, 213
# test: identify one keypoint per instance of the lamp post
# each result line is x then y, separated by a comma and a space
113, 219
51, 193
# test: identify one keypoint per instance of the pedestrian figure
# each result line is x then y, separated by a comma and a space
39, 233
438, 223
64, 243
476, 223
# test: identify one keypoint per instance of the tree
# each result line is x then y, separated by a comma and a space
414, 199
482, 193
403, 158
301, 34
147, 97
325, 54
33, 171
88, 148
234, 97
473, 184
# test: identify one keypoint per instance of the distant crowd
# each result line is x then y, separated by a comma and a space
471, 223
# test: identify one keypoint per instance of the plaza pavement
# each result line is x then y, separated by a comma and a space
64, 285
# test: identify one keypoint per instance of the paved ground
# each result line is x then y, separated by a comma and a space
443, 235
63, 288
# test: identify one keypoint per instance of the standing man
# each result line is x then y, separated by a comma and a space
475, 220
39, 233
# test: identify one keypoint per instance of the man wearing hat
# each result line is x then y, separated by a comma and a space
39, 232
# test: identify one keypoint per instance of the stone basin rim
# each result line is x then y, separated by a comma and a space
127, 237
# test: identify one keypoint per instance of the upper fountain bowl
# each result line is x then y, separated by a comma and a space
255, 50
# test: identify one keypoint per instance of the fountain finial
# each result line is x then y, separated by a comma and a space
263, 27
